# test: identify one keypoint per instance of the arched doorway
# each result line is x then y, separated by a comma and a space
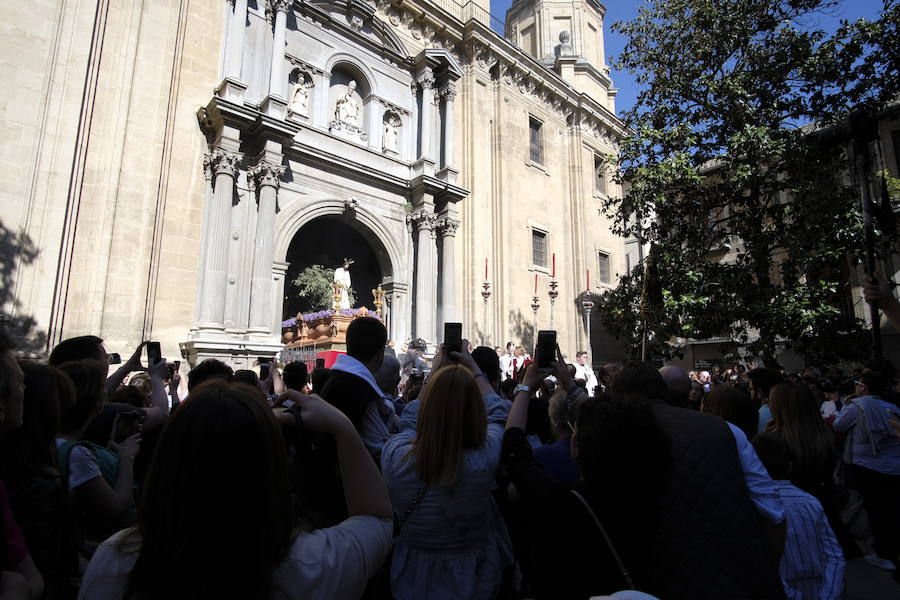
326, 241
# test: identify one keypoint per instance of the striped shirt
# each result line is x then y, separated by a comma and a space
812, 567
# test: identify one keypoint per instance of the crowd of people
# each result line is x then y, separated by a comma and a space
478, 475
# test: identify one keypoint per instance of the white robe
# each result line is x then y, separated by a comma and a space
342, 276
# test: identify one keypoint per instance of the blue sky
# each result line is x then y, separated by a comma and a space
623, 10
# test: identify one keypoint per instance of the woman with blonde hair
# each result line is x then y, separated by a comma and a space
440, 470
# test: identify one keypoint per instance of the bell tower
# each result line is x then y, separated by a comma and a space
566, 36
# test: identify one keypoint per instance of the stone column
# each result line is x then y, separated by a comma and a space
214, 281
235, 51
448, 93
425, 81
276, 83
279, 272
267, 176
447, 227
423, 225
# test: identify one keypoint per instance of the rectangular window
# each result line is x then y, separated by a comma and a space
539, 248
536, 141
599, 175
603, 270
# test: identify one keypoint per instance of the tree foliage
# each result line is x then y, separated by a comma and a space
749, 209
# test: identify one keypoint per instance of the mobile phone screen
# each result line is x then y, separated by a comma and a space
453, 337
154, 353
264, 371
127, 424
546, 349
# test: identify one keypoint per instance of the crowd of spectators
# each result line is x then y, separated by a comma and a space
478, 475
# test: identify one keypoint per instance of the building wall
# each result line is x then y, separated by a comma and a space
109, 175
108, 161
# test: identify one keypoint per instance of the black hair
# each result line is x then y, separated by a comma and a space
83, 347
735, 406
366, 337
89, 377
774, 453
638, 379
488, 361
318, 378
295, 375
245, 376
877, 383
619, 440
764, 379
207, 369
31, 446
388, 375
194, 519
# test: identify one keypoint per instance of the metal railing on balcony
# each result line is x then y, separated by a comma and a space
469, 10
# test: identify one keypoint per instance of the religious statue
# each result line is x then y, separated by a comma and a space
346, 108
299, 104
342, 284
565, 44
391, 141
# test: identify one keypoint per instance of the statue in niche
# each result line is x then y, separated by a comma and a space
391, 138
299, 104
347, 107
565, 44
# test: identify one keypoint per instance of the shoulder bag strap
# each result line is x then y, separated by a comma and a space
419, 495
609, 543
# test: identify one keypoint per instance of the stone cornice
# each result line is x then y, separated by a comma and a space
474, 43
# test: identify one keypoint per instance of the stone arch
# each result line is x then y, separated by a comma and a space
387, 247
348, 62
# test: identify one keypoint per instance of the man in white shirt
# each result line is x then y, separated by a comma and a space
584, 372
506, 362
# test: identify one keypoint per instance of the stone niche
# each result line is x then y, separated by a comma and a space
349, 101
300, 94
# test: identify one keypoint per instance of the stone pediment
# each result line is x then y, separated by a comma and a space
360, 17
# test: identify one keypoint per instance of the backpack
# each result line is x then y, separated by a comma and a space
107, 459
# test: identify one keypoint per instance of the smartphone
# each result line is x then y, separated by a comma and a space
126, 425
154, 353
453, 337
114, 358
546, 349
264, 370
177, 366
320, 363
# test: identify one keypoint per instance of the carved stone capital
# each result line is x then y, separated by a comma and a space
425, 79
447, 226
448, 92
420, 219
208, 166
278, 5
224, 162
266, 173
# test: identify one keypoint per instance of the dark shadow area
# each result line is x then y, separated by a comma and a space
522, 328
16, 249
327, 241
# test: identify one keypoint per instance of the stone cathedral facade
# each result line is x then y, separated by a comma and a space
172, 164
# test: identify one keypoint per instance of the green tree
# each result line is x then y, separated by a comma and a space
315, 290
749, 210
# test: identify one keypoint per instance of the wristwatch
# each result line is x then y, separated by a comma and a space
522, 388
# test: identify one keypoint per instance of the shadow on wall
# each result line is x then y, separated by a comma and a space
522, 329
16, 250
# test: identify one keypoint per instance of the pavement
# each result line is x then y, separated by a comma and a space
862, 581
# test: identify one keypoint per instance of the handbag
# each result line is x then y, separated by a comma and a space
625, 574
